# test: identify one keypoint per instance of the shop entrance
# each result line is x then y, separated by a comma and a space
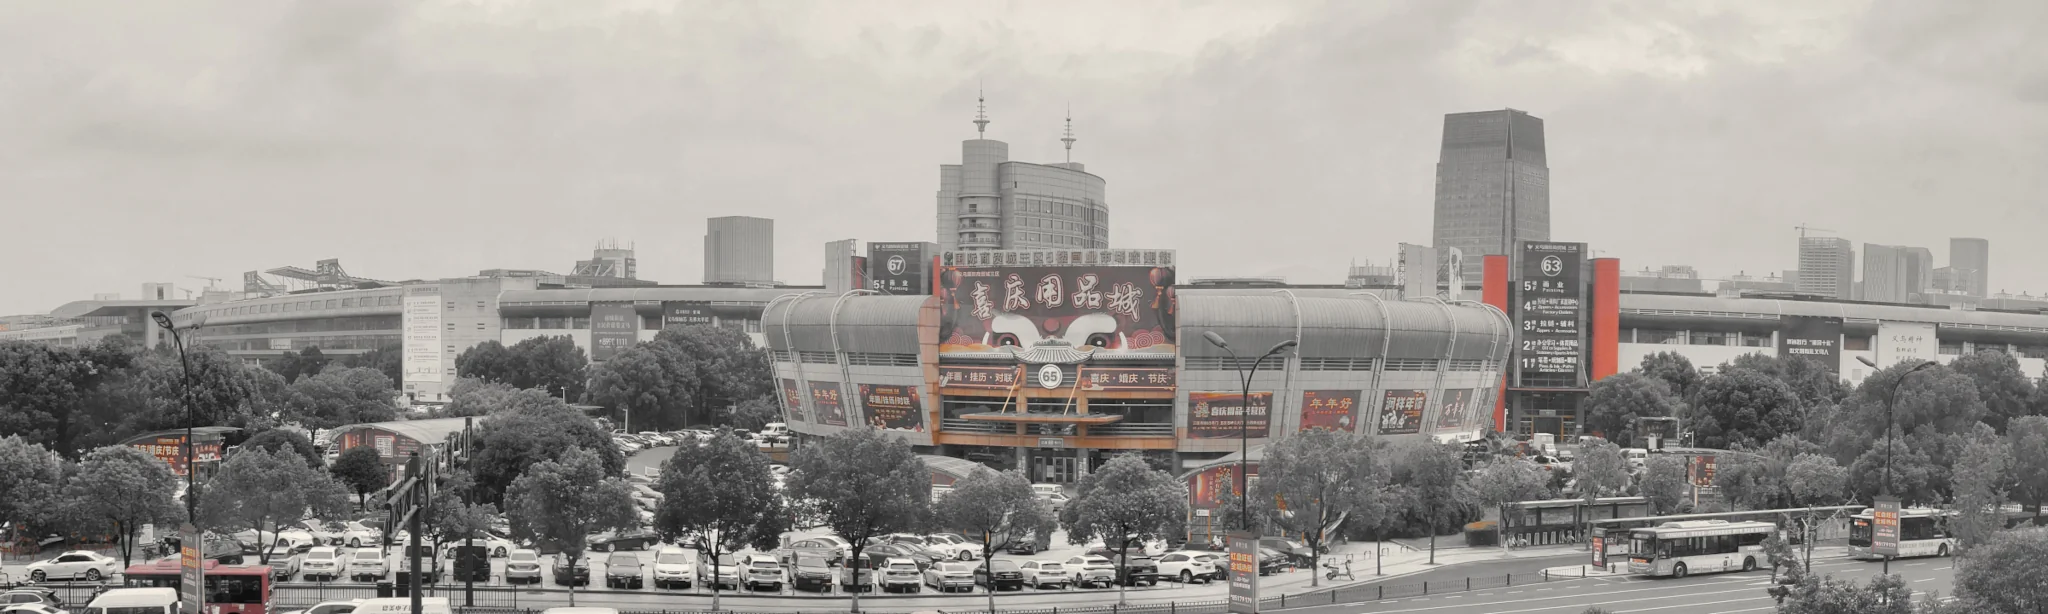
1053, 469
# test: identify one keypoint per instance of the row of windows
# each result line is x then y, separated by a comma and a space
293, 344
583, 323
1696, 546
318, 325
310, 305
1697, 337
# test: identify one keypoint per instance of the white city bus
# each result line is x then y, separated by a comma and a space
1923, 531
1680, 549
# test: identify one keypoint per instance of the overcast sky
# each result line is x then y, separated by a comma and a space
151, 141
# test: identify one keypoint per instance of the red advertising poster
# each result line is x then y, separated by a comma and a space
893, 407
992, 378
1333, 410
1401, 412
1222, 415
1116, 309
1126, 378
1208, 486
171, 450
825, 397
1454, 411
793, 400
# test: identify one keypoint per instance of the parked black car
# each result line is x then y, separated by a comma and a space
878, 555
574, 574
811, 574
1005, 575
1271, 561
1027, 545
1296, 552
630, 540
622, 570
1136, 570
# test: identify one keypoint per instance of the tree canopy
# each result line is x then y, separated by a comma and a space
554, 364
2005, 391
1677, 372
719, 494
259, 490
862, 484
342, 396
1613, 405
1314, 478
1743, 407
2003, 573
531, 428
362, 471
1124, 501
564, 502
289, 441
117, 489
31, 479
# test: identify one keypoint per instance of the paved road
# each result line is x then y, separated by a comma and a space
1714, 594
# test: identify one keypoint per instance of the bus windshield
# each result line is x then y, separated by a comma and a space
1859, 532
1643, 545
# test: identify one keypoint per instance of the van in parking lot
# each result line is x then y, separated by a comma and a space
403, 605
135, 601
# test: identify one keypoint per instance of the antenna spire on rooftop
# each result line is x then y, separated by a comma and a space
1069, 138
980, 114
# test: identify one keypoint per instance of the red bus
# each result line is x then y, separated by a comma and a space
230, 589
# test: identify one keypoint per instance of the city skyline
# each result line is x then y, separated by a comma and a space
1702, 149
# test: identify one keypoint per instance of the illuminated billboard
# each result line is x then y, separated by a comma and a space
1223, 415
1026, 299
900, 268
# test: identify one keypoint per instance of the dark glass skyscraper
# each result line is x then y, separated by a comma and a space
1492, 185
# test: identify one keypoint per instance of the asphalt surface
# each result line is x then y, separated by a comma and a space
1730, 593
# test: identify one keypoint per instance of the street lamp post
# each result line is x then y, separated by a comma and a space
191, 417
1244, 440
1891, 404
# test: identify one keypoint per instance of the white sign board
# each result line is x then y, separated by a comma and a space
1899, 342
1417, 269
422, 328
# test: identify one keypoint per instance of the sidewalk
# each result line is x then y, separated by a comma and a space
1617, 564
1397, 560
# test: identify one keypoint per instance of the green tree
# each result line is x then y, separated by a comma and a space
1677, 372
475, 397
2003, 389
1503, 482
1818, 595
291, 366
564, 502
362, 471
722, 493
258, 490
1756, 479
1814, 382
998, 506
1743, 407
1935, 400
1982, 480
2028, 437
754, 413
388, 360
489, 361
1613, 405
2003, 573
1664, 483
1123, 502
1912, 474
117, 489
342, 397
1431, 474
653, 381
454, 517
292, 442
1316, 477
223, 391
1600, 469
729, 369
553, 364
44, 390
531, 428
862, 484
31, 478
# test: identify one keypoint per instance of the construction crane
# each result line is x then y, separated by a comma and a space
1803, 229
211, 282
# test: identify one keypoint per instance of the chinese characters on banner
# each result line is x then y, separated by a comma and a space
1401, 412
1453, 410
1115, 309
1222, 415
1333, 410
893, 407
613, 328
992, 378
1551, 313
1702, 470
793, 400
1884, 527
677, 314
1126, 378
825, 397
171, 450
1244, 572
1812, 337
1209, 485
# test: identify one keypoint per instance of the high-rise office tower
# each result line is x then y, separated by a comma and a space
1492, 185
739, 250
988, 201
1969, 260
1896, 273
1827, 266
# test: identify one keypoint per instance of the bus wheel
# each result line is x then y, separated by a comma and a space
1943, 551
1749, 564
1678, 571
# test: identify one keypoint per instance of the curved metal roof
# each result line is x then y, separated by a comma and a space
867, 323
1339, 325
426, 432
956, 467
651, 294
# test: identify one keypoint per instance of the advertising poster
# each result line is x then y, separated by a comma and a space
1222, 415
1416, 269
900, 268
860, 272
1333, 410
1116, 309
989, 378
1244, 572
1599, 551
676, 315
1884, 526
613, 328
1401, 412
422, 345
1812, 337
825, 397
1454, 411
894, 408
1899, 342
1551, 314
1127, 378
793, 400
191, 569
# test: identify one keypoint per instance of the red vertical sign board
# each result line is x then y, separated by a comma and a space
1884, 527
1244, 573
1600, 551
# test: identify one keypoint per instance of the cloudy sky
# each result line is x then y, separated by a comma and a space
151, 141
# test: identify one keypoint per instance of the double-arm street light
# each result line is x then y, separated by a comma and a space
1891, 403
191, 417
1244, 419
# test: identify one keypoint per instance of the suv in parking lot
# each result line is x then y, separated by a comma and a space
1138, 570
1085, 571
901, 575
999, 574
812, 574
674, 567
763, 571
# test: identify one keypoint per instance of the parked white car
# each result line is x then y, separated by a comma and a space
495, 546
331, 607
1084, 571
522, 566
1041, 574
355, 534
74, 565
368, 564
674, 567
953, 546
1186, 567
324, 563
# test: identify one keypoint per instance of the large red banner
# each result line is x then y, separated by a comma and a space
825, 397
1332, 410
1454, 412
892, 407
1127, 378
1223, 415
1120, 309
990, 378
793, 400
